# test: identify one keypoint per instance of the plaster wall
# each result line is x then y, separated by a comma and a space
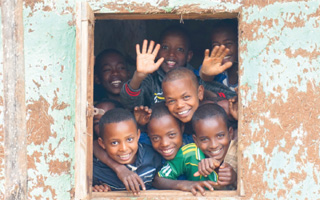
279, 92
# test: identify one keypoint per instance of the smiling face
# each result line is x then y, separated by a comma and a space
182, 97
213, 137
120, 140
165, 135
175, 51
225, 36
113, 73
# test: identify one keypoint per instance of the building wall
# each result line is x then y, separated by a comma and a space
279, 93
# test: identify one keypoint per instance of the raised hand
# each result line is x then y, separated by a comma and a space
131, 180
146, 57
212, 65
101, 188
206, 166
142, 114
226, 175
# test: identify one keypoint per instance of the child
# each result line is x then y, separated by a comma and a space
224, 40
119, 138
110, 73
145, 86
200, 160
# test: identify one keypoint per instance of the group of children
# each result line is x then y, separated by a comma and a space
166, 128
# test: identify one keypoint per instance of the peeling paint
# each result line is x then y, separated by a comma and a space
2, 167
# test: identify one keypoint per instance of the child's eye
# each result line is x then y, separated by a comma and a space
172, 135
170, 102
165, 47
106, 70
155, 138
204, 139
114, 143
180, 49
228, 45
121, 67
187, 97
130, 139
221, 135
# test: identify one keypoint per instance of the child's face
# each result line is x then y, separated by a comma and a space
165, 135
226, 37
113, 73
213, 137
106, 106
121, 141
182, 98
175, 51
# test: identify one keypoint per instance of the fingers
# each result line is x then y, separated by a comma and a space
101, 188
144, 46
159, 62
132, 187
201, 189
140, 182
214, 51
196, 174
156, 50
208, 185
138, 49
151, 45
206, 53
226, 65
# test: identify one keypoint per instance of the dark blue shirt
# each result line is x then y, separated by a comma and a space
146, 165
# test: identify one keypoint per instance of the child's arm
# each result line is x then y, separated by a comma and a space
142, 114
212, 65
188, 186
130, 179
145, 63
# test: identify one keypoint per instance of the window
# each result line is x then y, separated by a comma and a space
89, 32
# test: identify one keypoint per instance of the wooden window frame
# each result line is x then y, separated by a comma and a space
85, 21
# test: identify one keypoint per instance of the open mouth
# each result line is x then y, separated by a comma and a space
216, 152
116, 83
125, 157
167, 152
184, 113
171, 63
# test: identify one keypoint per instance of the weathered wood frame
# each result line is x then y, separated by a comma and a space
84, 101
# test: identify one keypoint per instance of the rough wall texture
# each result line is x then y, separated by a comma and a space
280, 91
280, 56
50, 98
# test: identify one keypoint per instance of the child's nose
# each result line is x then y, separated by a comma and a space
214, 144
123, 147
180, 104
164, 142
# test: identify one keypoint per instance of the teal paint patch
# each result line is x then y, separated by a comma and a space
281, 54
50, 76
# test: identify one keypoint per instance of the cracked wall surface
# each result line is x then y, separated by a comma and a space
279, 125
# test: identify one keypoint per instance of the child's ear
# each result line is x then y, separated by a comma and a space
100, 142
182, 127
195, 139
97, 80
230, 133
138, 133
189, 56
200, 92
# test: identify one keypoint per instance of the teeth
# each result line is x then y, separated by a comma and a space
217, 151
171, 62
227, 57
167, 151
116, 82
183, 112
124, 157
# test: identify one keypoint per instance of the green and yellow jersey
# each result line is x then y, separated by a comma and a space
186, 163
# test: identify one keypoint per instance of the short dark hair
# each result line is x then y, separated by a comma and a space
115, 115
179, 73
177, 30
159, 110
231, 24
104, 53
209, 110
116, 104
